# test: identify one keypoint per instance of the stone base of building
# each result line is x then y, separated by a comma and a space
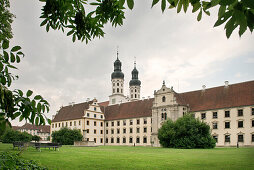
84, 143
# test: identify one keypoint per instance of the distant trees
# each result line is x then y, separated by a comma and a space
185, 132
66, 136
11, 136
36, 138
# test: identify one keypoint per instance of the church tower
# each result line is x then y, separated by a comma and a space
134, 85
117, 80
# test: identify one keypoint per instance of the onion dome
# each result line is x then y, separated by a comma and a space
135, 81
117, 70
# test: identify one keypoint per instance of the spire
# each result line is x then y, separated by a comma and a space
134, 62
163, 83
117, 47
117, 68
134, 81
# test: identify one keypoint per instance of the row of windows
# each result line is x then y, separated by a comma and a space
131, 140
240, 138
227, 113
124, 122
136, 96
117, 90
118, 84
240, 124
94, 123
94, 115
135, 90
94, 131
95, 140
66, 124
130, 130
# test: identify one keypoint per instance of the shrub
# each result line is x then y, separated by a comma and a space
13, 161
66, 136
186, 132
36, 138
11, 136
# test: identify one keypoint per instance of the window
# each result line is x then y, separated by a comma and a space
144, 140
163, 99
131, 122
66, 124
124, 122
59, 125
121, 90
94, 140
252, 123
137, 140
252, 111
87, 122
124, 130
145, 121
106, 140
215, 137
101, 116
113, 84
87, 139
94, 108
118, 131
101, 131
107, 131
118, 123
70, 123
252, 137
240, 124
94, 115
227, 138
137, 129
56, 125
130, 140
227, 125
79, 122
101, 140
138, 122
94, 123
88, 114
101, 124
94, 131
203, 116
124, 140
113, 90
215, 125
240, 138
74, 123
118, 140
112, 123
52, 125
112, 140
240, 112
227, 113
87, 130
112, 131
117, 84
106, 124
130, 130
117, 90
145, 129
215, 115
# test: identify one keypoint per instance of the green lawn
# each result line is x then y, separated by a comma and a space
123, 157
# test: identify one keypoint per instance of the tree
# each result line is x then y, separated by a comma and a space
14, 104
74, 15
36, 138
66, 136
186, 132
11, 136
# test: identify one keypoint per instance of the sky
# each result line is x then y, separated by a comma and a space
168, 46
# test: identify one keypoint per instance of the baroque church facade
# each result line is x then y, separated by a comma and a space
129, 120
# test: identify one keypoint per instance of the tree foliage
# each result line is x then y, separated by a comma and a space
186, 132
14, 104
66, 136
11, 136
36, 138
85, 19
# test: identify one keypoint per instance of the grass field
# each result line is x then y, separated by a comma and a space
124, 157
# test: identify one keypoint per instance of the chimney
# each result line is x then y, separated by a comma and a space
226, 83
203, 88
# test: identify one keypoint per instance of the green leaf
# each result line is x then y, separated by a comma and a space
199, 15
21, 118
179, 6
12, 57
227, 2
74, 37
185, 5
215, 2
248, 3
121, 2
154, 2
17, 58
222, 10
43, 22
36, 120
70, 32
47, 28
223, 18
230, 26
39, 107
16, 48
196, 7
49, 121
29, 93
5, 44
130, 3
37, 97
6, 56
241, 20
163, 5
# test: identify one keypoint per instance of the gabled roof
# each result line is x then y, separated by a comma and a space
41, 128
235, 95
135, 109
71, 112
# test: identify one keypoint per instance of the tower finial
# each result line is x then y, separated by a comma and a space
117, 47
134, 62
163, 82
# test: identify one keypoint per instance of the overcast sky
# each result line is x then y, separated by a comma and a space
172, 47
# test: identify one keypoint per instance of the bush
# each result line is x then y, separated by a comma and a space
36, 138
186, 132
11, 136
66, 136
13, 161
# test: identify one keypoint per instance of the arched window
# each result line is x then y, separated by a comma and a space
163, 99
113, 90
135, 95
162, 115
135, 90
117, 90
117, 84
121, 90
165, 116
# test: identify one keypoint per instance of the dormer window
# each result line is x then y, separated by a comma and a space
94, 108
163, 99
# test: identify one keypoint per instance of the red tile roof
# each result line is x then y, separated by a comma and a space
135, 109
235, 95
71, 112
41, 128
15, 127
106, 103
